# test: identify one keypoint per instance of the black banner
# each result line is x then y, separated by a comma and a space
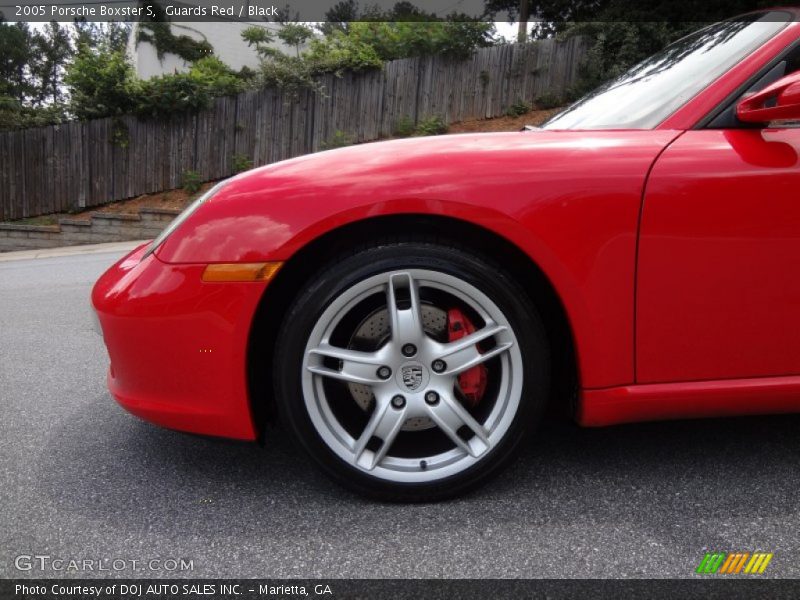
393, 589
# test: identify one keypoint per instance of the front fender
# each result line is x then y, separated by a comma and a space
568, 200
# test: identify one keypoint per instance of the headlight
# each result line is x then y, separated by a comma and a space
178, 221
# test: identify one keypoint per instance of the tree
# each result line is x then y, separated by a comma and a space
339, 17
16, 54
260, 39
52, 52
295, 34
100, 83
622, 34
113, 35
33, 63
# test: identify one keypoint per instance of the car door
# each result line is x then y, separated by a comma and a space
718, 266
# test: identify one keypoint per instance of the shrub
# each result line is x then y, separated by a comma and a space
295, 74
191, 181
404, 126
241, 162
339, 140
339, 53
289, 73
13, 115
219, 78
548, 100
100, 84
167, 94
519, 108
392, 39
433, 125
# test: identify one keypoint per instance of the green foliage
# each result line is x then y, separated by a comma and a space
358, 46
339, 17
519, 108
32, 66
339, 140
259, 38
162, 96
294, 74
52, 51
100, 84
103, 84
33, 62
13, 115
158, 32
548, 100
339, 53
37, 66
112, 35
404, 39
219, 78
404, 126
191, 181
289, 73
16, 50
433, 125
241, 162
295, 34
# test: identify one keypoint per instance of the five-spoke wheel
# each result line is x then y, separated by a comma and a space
411, 365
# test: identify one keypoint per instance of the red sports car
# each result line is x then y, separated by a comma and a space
409, 308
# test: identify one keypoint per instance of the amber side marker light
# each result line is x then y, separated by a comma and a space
241, 271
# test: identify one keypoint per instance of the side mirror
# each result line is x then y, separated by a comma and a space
778, 101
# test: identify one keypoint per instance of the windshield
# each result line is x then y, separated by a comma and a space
655, 88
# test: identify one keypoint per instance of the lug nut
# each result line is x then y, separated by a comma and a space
409, 350
439, 365
398, 401
384, 372
431, 397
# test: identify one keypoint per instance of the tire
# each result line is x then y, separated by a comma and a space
423, 430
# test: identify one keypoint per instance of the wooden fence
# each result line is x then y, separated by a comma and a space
76, 165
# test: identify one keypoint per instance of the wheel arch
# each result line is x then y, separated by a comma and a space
449, 230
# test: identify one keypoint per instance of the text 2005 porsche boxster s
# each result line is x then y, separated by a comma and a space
408, 308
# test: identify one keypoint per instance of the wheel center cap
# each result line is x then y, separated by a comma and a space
412, 376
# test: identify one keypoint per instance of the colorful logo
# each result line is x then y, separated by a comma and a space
733, 563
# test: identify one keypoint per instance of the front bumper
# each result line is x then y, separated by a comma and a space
178, 345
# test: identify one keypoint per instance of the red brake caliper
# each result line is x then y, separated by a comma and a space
472, 382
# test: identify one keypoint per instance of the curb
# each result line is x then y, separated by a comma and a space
70, 251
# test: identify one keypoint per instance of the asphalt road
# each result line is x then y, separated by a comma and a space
82, 479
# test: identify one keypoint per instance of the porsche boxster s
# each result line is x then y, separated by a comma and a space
407, 309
